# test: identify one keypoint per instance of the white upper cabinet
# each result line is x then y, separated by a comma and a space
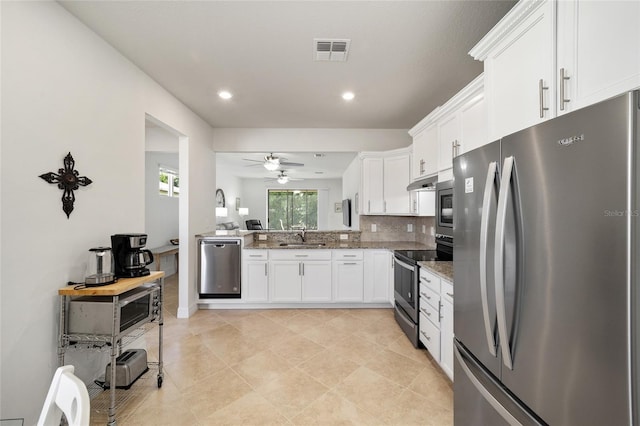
385, 177
425, 152
397, 175
547, 57
519, 69
473, 123
458, 126
372, 185
598, 51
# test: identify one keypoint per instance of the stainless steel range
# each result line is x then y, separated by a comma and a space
406, 282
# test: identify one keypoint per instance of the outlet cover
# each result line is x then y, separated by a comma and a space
344, 236
424, 229
262, 237
432, 231
374, 227
409, 227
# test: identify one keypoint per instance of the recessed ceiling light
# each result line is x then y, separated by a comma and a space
225, 94
348, 96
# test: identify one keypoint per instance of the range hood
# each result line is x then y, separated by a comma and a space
424, 184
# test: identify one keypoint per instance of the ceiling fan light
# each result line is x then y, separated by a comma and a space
272, 165
283, 179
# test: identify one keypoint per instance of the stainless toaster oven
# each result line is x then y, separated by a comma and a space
96, 314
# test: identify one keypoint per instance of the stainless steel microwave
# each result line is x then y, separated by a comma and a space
444, 210
96, 314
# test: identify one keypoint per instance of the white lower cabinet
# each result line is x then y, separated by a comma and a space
318, 276
255, 276
285, 281
436, 319
348, 278
300, 275
378, 276
446, 327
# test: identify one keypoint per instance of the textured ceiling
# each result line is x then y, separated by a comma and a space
406, 57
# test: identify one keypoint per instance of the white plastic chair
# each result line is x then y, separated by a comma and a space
68, 395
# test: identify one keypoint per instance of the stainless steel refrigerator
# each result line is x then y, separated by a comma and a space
547, 275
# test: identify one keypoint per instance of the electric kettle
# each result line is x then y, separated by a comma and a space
100, 267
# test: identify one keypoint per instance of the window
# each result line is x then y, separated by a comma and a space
169, 182
292, 209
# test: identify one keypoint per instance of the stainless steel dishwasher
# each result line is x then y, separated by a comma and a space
219, 265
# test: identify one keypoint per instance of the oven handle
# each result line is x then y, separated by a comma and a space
404, 265
489, 187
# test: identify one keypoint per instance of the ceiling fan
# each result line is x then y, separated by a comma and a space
271, 162
282, 178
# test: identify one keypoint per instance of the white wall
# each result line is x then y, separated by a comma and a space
161, 212
350, 187
308, 140
232, 188
330, 192
66, 90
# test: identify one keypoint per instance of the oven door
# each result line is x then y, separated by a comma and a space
405, 284
444, 208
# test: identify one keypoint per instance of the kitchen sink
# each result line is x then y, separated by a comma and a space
302, 244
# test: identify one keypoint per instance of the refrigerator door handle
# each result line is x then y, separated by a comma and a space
484, 230
480, 388
501, 220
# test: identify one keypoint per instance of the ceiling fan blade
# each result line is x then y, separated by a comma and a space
286, 163
257, 161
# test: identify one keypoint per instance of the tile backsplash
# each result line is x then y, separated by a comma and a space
396, 228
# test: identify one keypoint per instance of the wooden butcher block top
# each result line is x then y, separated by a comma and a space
121, 286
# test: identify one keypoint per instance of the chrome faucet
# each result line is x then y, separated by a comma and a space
301, 234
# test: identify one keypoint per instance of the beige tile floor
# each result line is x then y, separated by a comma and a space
285, 366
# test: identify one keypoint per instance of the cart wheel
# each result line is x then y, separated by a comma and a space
159, 381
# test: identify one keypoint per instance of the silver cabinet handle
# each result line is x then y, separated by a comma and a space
424, 311
349, 255
299, 268
489, 189
369, 207
303, 269
563, 77
266, 273
302, 255
255, 255
425, 336
541, 89
450, 295
425, 295
350, 263
501, 222
421, 166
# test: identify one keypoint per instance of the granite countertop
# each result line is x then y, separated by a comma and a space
442, 268
384, 245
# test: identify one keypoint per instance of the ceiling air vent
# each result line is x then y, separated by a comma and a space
335, 50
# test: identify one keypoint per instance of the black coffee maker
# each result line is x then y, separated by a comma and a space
130, 259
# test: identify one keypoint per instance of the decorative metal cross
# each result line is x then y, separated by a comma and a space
67, 180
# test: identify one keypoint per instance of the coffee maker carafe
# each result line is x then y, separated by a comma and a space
131, 259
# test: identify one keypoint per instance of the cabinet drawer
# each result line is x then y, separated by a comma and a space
446, 291
430, 312
430, 280
429, 296
300, 255
429, 335
255, 254
347, 255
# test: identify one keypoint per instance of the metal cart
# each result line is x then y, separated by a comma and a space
116, 336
